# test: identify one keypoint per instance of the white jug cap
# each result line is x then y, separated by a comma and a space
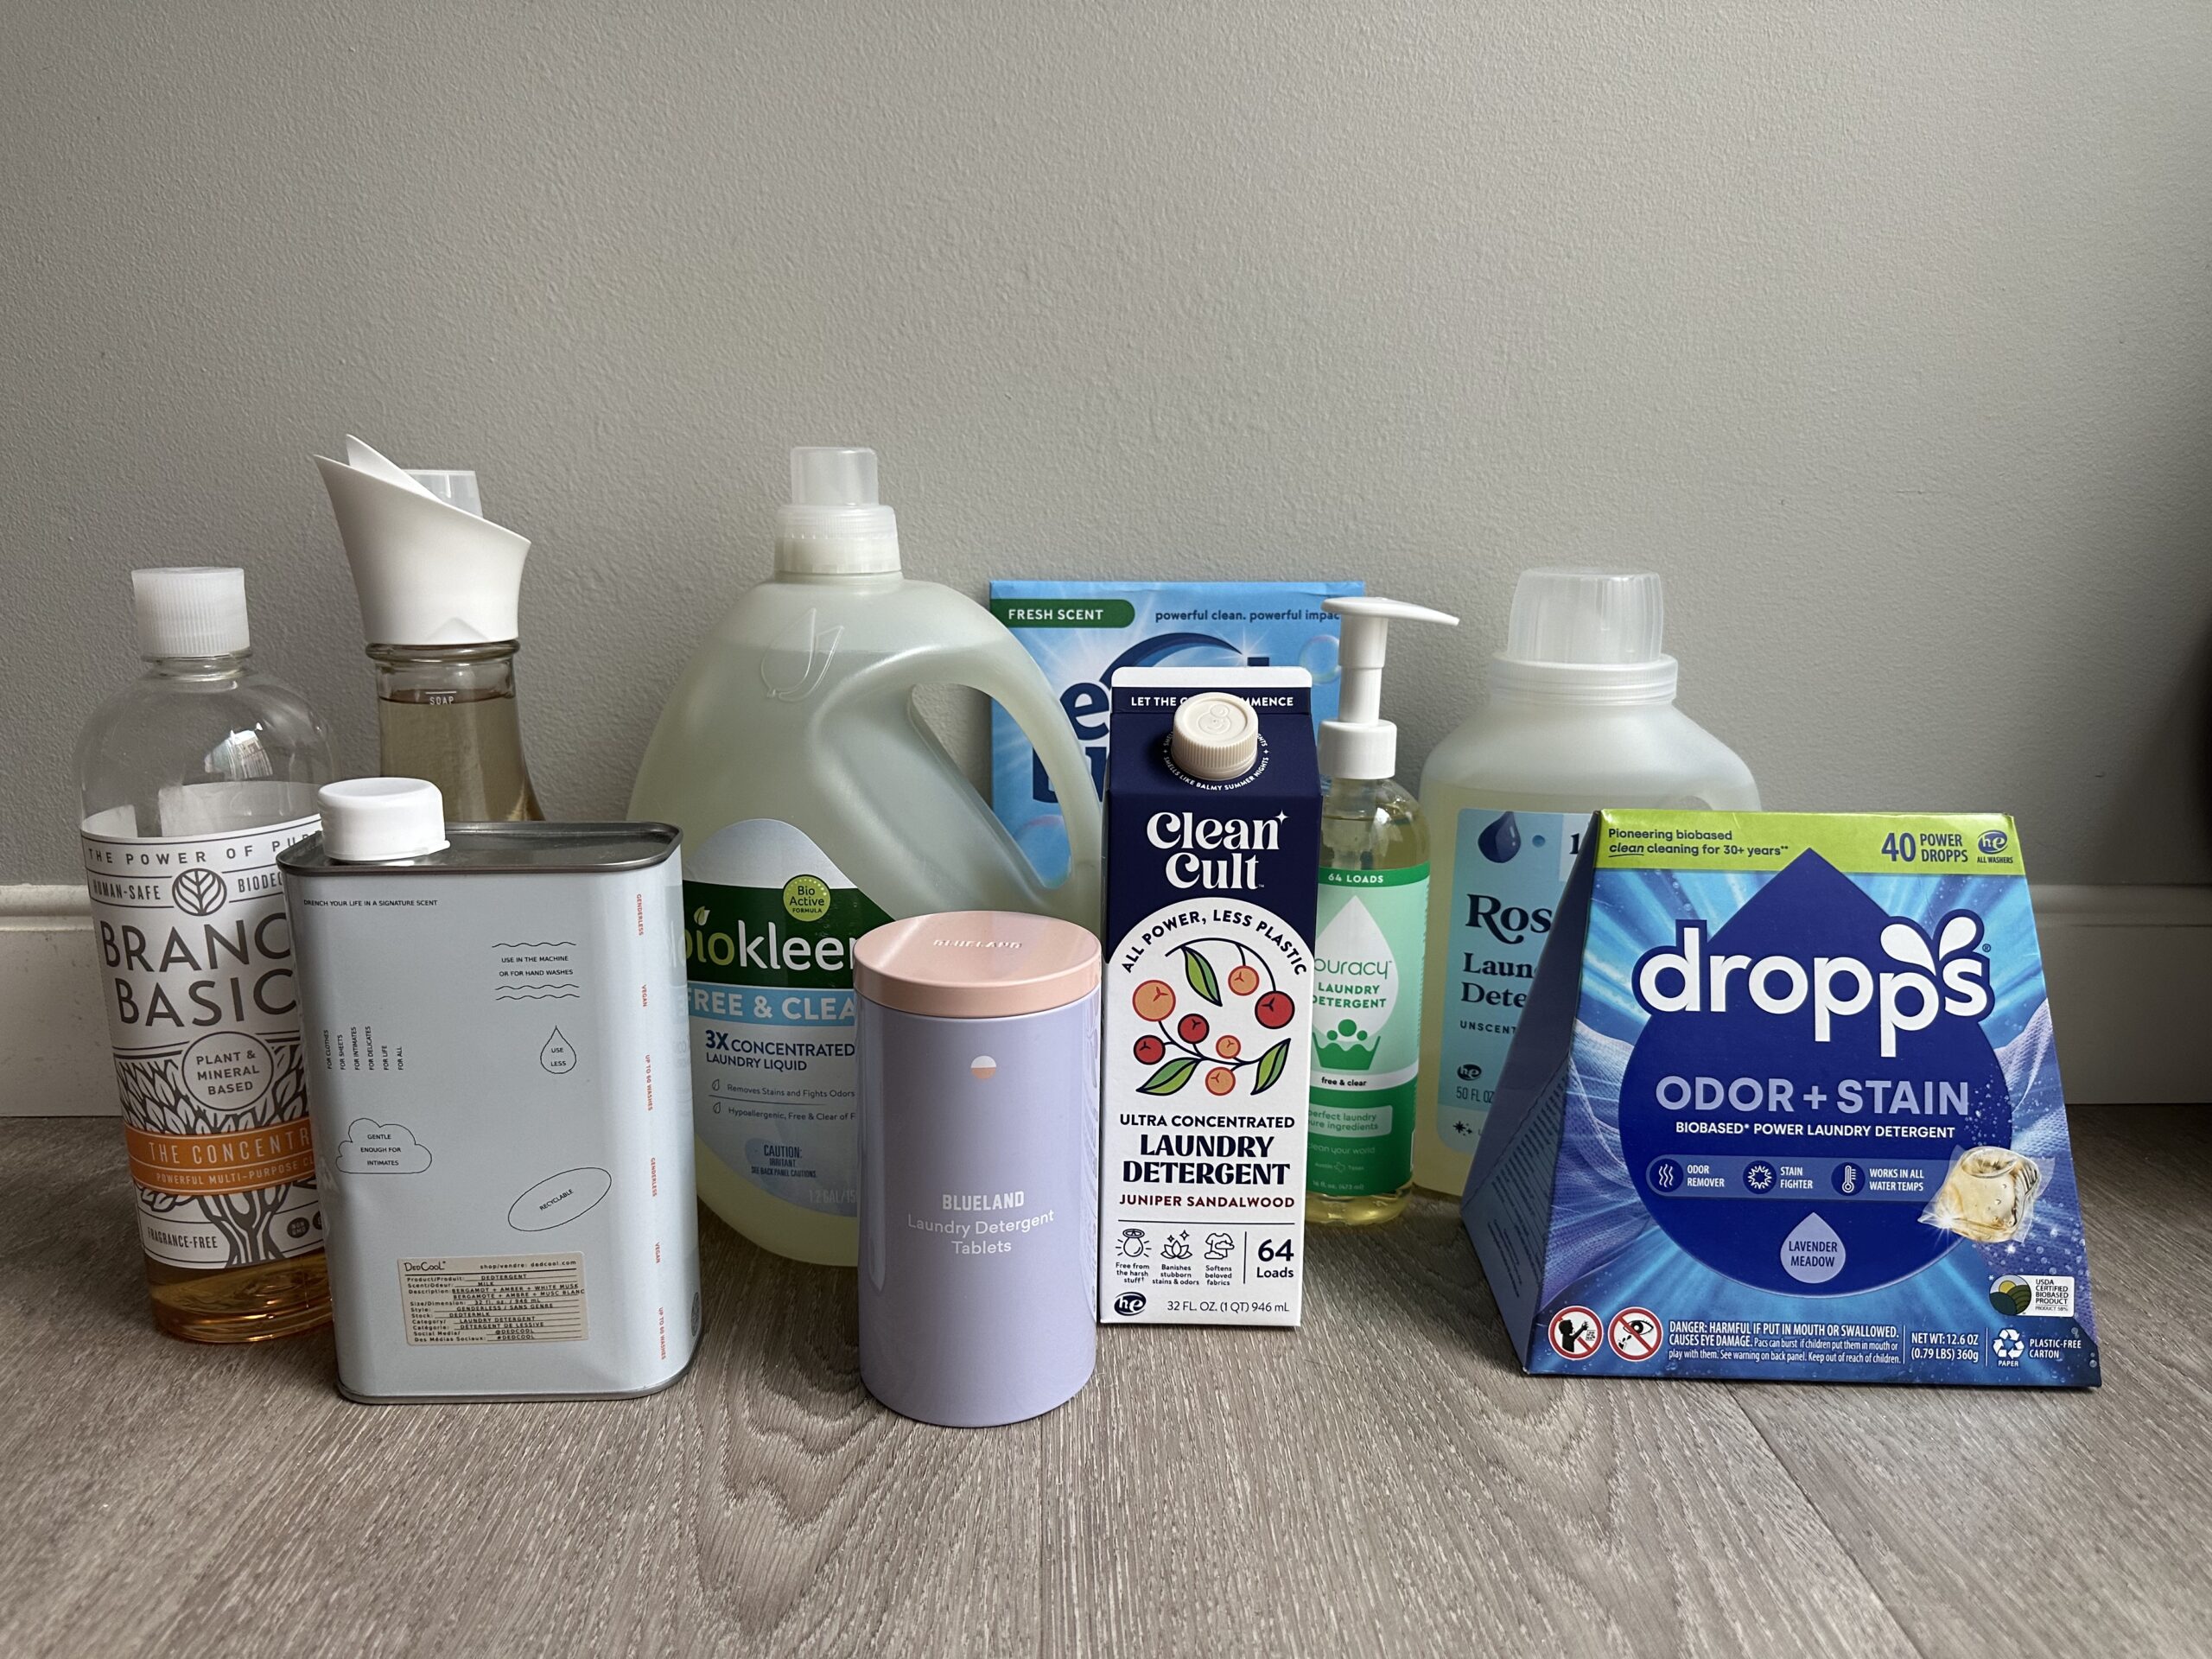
1587, 636
428, 569
834, 525
1215, 737
190, 611
377, 820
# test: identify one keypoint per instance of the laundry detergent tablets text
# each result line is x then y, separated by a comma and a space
1785, 1099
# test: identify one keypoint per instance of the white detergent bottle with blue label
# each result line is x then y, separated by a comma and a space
815, 804
1581, 716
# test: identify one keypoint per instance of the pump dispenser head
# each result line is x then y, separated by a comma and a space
1360, 743
1587, 636
430, 568
834, 525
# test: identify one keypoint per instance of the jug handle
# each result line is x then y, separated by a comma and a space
994, 664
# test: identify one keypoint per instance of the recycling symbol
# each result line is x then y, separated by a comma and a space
2007, 1344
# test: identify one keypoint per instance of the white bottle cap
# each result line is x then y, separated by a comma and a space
1587, 636
376, 820
1215, 737
1359, 742
428, 568
190, 611
834, 526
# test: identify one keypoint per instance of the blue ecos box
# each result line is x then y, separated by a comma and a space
1784, 1104
1081, 633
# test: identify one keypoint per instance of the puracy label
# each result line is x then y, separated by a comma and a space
769, 927
1507, 870
1367, 999
195, 953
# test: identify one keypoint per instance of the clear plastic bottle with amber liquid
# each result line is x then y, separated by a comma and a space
192, 779
440, 592
1369, 930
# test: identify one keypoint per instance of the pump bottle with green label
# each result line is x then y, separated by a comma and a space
815, 804
1581, 715
1367, 942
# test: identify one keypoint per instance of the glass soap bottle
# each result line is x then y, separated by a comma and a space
440, 587
192, 779
1369, 934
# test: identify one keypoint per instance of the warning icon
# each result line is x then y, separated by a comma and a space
1636, 1333
1575, 1333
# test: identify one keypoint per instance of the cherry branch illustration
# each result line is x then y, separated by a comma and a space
1176, 1050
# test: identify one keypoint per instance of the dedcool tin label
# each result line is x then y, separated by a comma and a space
1785, 1103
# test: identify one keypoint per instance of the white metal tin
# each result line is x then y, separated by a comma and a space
499, 1075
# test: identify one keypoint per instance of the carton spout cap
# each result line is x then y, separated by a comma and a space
1215, 737
1359, 742
428, 568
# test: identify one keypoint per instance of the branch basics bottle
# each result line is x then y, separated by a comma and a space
1368, 941
192, 779
440, 592
815, 805
1581, 715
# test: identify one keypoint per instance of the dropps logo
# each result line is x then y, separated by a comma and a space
1923, 976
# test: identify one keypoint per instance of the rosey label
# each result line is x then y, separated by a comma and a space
1917, 982
1218, 855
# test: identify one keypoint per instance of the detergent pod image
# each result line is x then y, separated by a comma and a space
1785, 1103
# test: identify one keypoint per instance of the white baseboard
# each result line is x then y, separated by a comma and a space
2130, 971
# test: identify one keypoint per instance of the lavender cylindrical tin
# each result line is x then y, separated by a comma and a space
978, 1106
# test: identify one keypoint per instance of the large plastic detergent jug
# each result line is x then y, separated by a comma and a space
815, 804
1581, 716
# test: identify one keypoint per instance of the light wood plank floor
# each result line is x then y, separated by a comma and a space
1384, 1481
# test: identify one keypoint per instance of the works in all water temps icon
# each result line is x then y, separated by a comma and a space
1575, 1333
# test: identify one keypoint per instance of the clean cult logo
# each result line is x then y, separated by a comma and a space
1921, 978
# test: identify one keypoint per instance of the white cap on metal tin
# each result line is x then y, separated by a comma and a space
380, 820
1217, 737
190, 611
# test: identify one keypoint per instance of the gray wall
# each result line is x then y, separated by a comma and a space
1883, 330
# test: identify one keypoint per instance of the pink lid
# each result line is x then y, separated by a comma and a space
976, 964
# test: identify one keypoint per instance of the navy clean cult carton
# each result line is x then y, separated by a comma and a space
1784, 1104
1083, 633
1213, 840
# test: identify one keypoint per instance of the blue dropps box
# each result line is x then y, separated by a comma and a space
1081, 633
1785, 1104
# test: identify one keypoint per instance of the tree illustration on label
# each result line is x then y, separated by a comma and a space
559, 1055
1359, 975
159, 1098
